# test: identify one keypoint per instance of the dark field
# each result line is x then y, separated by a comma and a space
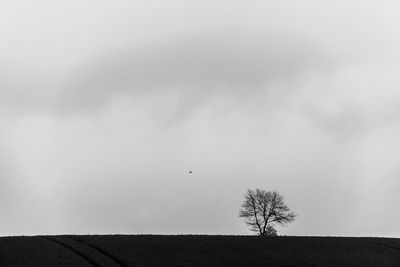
197, 250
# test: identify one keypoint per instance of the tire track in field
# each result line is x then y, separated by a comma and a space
100, 250
89, 260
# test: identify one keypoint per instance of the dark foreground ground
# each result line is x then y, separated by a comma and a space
187, 250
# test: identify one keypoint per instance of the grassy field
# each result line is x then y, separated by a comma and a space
197, 250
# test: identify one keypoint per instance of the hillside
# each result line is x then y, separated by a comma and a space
197, 250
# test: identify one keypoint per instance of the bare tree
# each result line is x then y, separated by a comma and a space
263, 210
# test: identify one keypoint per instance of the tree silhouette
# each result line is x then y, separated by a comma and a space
263, 210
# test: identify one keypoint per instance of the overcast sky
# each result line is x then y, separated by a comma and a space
105, 106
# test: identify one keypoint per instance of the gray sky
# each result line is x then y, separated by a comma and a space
106, 105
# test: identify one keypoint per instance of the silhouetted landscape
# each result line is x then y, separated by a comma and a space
197, 250
187, 126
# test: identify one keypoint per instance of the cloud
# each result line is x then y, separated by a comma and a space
189, 70
201, 66
354, 101
307, 105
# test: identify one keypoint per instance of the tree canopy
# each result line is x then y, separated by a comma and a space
264, 210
